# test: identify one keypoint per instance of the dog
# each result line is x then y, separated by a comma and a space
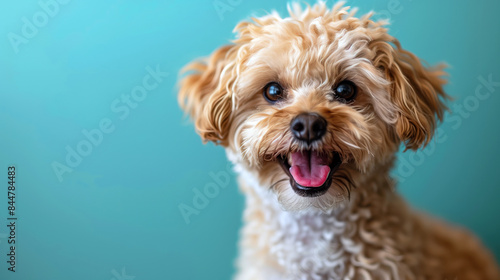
311, 109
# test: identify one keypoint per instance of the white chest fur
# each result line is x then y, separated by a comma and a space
312, 244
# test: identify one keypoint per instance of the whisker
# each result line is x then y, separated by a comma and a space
277, 182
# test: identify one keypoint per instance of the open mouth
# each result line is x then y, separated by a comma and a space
310, 172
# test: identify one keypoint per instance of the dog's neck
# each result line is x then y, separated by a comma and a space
296, 240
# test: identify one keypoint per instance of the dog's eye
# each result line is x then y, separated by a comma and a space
273, 92
345, 91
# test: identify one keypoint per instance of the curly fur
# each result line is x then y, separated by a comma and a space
360, 228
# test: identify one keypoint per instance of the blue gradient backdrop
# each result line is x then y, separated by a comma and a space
116, 214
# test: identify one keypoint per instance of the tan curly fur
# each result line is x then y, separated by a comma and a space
360, 228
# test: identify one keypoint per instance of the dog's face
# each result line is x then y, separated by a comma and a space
315, 104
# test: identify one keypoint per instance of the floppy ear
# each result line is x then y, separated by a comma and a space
417, 92
205, 94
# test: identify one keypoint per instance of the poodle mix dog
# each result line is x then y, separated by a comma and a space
311, 109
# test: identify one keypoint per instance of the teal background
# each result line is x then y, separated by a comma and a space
116, 215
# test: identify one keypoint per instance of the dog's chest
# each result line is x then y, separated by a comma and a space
313, 245
338, 244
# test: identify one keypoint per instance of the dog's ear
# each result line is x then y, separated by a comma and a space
417, 92
205, 94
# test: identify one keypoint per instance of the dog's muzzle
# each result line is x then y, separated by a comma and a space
310, 171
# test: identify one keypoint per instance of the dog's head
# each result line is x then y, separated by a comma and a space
313, 104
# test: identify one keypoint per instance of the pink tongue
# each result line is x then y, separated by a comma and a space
309, 169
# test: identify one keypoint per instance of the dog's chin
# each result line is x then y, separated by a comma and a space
319, 171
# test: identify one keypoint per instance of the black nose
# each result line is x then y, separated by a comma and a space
308, 127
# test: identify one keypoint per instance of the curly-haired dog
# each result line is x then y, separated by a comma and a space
311, 109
